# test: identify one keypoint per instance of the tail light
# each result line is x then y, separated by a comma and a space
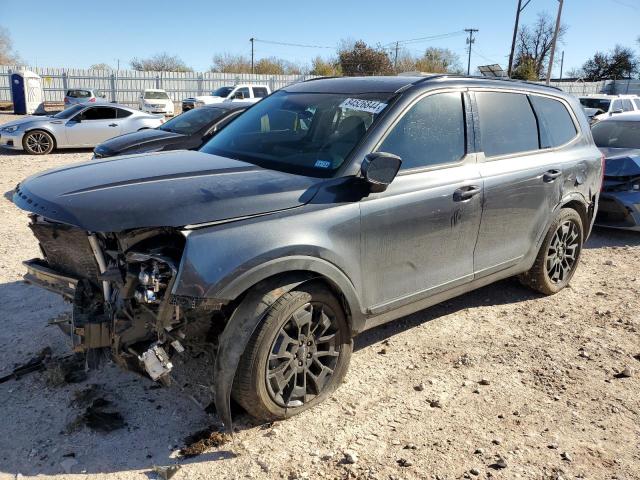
92, 100
602, 161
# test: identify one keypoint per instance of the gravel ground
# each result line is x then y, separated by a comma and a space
499, 383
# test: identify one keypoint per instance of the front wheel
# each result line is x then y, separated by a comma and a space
559, 254
38, 142
297, 357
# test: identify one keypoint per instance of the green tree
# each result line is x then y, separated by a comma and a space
325, 68
526, 69
620, 62
362, 59
100, 66
439, 60
160, 62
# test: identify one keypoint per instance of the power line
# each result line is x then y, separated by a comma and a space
286, 44
424, 39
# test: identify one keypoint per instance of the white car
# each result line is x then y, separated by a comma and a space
156, 100
79, 126
236, 93
610, 104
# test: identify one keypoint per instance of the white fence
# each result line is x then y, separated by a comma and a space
124, 86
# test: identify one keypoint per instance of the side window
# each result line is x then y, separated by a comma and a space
556, 124
507, 123
432, 132
626, 105
260, 92
617, 105
123, 113
637, 102
99, 113
245, 92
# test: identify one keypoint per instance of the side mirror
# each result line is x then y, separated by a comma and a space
76, 119
619, 110
379, 169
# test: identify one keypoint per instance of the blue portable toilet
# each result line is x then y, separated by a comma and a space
26, 93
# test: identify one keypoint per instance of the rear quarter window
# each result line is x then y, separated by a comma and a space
556, 125
507, 123
260, 92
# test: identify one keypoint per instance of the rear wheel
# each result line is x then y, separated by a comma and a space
297, 357
38, 142
559, 254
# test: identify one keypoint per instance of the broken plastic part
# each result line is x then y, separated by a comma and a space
156, 362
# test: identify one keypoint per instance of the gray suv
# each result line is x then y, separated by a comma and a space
331, 207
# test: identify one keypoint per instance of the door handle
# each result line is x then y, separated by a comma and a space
551, 175
113, 124
465, 193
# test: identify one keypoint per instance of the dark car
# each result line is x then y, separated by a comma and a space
619, 140
188, 131
326, 209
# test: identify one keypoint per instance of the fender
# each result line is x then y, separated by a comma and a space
314, 266
45, 128
236, 335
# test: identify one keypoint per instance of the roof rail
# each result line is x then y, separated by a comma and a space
478, 77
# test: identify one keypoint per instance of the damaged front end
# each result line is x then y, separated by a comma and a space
120, 285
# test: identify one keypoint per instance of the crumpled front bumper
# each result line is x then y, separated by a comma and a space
619, 210
11, 140
41, 274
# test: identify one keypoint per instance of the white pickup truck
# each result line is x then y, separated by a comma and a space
237, 93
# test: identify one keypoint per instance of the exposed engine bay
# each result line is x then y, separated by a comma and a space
120, 286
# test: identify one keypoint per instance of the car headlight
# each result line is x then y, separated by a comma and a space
11, 129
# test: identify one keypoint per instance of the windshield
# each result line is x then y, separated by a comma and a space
69, 112
222, 92
190, 122
308, 133
617, 134
156, 95
601, 103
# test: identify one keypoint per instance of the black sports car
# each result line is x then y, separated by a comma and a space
188, 131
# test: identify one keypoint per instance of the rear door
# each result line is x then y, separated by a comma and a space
96, 125
418, 235
522, 174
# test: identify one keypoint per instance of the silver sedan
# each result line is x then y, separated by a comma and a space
81, 126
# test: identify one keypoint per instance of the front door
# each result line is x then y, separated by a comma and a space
419, 235
96, 125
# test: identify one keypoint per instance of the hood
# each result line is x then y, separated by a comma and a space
170, 189
31, 119
210, 98
621, 162
138, 141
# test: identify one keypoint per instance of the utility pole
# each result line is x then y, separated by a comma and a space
395, 59
555, 40
521, 7
561, 64
470, 42
251, 40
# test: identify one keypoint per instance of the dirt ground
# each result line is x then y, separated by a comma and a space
500, 383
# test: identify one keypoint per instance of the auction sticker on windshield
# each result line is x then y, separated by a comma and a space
370, 106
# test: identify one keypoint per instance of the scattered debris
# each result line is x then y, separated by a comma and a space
350, 457
553, 446
67, 369
410, 446
435, 403
484, 381
200, 442
96, 417
419, 387
404, 462
36, 364
474, 471
166, 472
382, 351
626, 373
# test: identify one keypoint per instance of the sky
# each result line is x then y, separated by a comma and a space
80, 33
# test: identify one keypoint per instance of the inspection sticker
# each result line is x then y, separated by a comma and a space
322, 164
371, 106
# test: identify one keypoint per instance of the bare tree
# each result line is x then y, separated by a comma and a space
533, 46
439, 60
160, 62
229, 63
325, 68
8, 56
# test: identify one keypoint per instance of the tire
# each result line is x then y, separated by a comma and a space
559, 254
38, 142
296, 364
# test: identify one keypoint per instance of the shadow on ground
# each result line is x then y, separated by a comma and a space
609, 237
